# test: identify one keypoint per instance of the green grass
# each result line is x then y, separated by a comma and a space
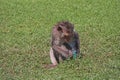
25, 32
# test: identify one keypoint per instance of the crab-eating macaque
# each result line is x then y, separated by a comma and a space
65, 42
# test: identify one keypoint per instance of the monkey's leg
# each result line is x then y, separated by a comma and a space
52, 57
60, 58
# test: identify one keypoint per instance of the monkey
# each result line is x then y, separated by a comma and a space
65, 41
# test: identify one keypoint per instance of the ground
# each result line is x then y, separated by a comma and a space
25, 33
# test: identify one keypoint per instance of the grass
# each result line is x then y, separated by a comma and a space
25, 32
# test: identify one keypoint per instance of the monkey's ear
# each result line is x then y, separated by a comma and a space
59, 29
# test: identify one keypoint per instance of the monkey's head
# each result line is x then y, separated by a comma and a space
66, 30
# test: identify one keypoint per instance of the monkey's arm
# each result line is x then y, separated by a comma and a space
63, 51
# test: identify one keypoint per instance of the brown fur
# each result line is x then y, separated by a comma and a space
62, 34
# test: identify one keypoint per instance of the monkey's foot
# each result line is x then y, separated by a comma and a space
49, 66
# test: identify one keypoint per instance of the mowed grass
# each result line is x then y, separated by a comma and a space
25, 33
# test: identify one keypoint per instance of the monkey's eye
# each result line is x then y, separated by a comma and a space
59, 29
68, 31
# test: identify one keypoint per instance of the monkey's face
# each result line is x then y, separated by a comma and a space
66, 33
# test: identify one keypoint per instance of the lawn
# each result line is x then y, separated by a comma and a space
25, 33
